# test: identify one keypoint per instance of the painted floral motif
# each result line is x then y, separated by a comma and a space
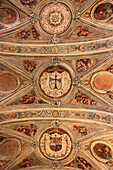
29, 130
97, 45
83, 64
29, 65
95, 116
56, 18
14, 115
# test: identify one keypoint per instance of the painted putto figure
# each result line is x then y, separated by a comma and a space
29, 130
27, 99
82, 31
29, 65
83, 64
81, 129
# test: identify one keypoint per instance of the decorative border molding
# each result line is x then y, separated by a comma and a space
89, 47
63, 114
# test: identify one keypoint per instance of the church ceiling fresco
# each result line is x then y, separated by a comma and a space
56, 84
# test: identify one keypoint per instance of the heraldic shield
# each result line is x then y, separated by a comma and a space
55, 80
55, 143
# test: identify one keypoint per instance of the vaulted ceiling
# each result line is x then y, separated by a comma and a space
56, 84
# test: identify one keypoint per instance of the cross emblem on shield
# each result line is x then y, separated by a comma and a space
55, 80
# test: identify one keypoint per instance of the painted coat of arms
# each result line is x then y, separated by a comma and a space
55, 81
55, 144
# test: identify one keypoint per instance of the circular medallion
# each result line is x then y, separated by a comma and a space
8, 82
102, 81
8, 15
101, 150
55, 144
55, 18
55, 81
103, 11
9, 148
